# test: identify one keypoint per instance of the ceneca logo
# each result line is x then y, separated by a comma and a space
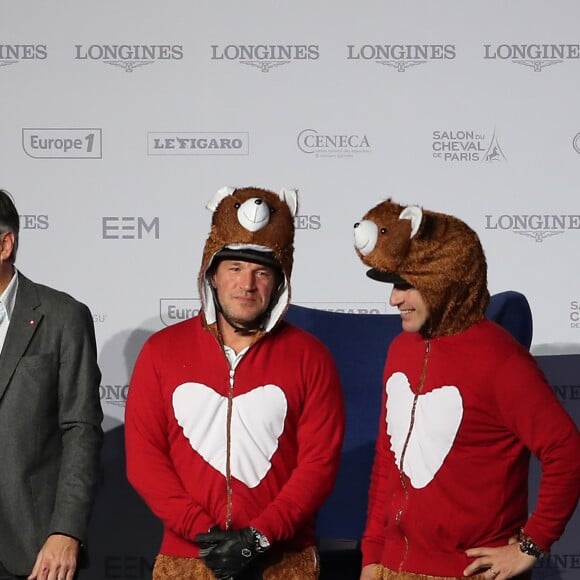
15, 53
265, 57
62, 143
538, 227
400, 57
172, 310
129, 57
537, 56
348, 307
467, 146
198, 143
332, 144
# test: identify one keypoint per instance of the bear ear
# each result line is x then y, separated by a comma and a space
290, 196
415, 214
220, 194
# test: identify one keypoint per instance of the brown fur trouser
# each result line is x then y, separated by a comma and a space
302, 565
382, 573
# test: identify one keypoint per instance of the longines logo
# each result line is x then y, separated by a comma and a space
467, 146
114, 394
401, 56
536, 226
129, 228
332, 145
348, 307
307, 222
172, 310
576, 143
558, 562
14, 53
198, 143
62, 143
129, 56
536, 56
33, 221
265, 57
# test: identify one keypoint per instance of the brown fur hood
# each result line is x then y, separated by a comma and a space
254, 219
436, 253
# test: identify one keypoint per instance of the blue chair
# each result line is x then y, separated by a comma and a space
359, 344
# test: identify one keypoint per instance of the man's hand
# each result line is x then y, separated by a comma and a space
57, 559
501, 563
369, 572
227, 554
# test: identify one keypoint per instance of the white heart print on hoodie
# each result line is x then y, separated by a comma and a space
438, 415
256, 424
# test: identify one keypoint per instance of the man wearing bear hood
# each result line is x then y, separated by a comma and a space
235, 418
464, 405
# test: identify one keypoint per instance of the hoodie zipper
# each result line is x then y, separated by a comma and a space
228, 450
404, 452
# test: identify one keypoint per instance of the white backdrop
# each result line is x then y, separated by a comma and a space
121, 118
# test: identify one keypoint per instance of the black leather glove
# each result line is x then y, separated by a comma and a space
227, 554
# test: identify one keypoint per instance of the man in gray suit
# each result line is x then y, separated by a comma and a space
50, 420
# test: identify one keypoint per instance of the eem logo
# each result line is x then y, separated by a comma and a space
129, 56
265, 57
172, 310
348, 307
15, 53
535, 226
115, 395
129, 228
466, 146
400, 57
536, 56
341, 145
198, 143
62, 143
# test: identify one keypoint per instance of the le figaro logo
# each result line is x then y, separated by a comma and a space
198, 143
534, 55
348, 307
538, 227
265, 57
400, 57
15, 53
129, 57
467, 145
61, 143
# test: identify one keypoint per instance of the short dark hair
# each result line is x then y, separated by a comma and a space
9, 219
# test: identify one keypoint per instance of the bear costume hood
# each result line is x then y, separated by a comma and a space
438, 254
253, 225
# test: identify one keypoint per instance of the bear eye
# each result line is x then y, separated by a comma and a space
383, 230
237, 205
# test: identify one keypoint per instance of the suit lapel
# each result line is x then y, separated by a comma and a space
23, 324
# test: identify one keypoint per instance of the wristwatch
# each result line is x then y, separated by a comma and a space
528, 546
261, 543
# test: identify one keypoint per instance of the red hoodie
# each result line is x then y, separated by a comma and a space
286, 421
467, 434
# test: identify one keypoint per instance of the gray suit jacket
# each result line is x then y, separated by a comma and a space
50, 423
